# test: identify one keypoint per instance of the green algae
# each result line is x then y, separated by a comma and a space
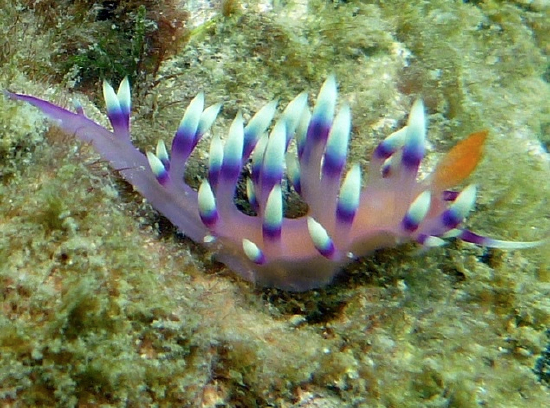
101, 308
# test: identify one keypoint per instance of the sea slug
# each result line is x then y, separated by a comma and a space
343, 219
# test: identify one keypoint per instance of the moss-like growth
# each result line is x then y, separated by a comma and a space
542, 366
92, 41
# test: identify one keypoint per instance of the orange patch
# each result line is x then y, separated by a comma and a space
459, 162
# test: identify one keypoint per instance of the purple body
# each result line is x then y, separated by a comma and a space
344, 220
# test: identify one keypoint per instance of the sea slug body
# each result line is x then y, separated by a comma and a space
343, 221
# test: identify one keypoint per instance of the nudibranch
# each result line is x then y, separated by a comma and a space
343, 220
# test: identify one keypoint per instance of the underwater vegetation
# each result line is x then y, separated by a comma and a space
542, 366
343, 221
109, 39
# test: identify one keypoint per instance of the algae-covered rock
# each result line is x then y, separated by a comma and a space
103, 303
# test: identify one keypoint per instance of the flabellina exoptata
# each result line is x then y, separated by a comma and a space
343, 220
